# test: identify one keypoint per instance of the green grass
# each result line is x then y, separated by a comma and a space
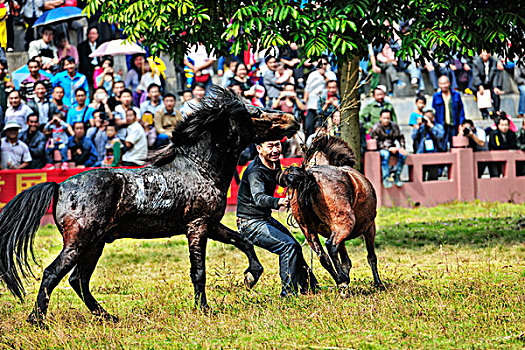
455, 277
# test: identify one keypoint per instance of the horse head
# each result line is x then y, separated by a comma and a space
268, 125
292, 177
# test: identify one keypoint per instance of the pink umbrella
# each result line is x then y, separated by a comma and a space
117, 47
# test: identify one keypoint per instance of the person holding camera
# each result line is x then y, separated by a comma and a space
82, 150
329, 100
476, 136
501, 139
57, 130
287, 101
428, 138
100, 104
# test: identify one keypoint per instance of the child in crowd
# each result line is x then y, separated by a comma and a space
57, 130
417, 116
334, 124
187, 95
113, 147
149, 127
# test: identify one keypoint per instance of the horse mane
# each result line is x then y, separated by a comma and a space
339, 153
208, 115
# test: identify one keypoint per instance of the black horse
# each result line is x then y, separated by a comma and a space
183, 191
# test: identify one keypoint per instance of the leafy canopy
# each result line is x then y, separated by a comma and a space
438, 27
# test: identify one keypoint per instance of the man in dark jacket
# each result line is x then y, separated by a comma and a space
41, 105
449, 110
255, 202
36, 141
501, 139
83, 151
86, 64
387, 133
487, 76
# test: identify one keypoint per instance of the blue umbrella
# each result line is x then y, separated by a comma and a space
23, 72
58, 15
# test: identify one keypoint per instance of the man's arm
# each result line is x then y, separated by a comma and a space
257, 188
157, 120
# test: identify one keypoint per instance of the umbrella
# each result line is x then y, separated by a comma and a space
60, 14
117, 47
23, 72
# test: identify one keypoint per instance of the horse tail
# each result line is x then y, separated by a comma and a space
19, 221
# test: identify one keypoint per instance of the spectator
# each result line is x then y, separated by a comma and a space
428, 139
148, 123
56, 148
80, 112
27, 86
198, 94
41, 105
31, 11
284, 75
113, 147
387, 61
415, 117
57, 96
101, 104
270, 80
105, 75
154, 102
65, 49
97, 134
229, 74
369, 115
82, 150
200, 62
71, 80
187, 95
15, 153
387, 133
329, 101
132, 79
166, 119
416, 79
149, 76
114, 100
36, 141
477, 140
289, 102
45, 48
519, 76
6, 85
334, 124
87, 65
136, 143
126, 103
501, 139
520, 137
18, 111
315, 84
449, 110
436, 70
241, 78
487, 76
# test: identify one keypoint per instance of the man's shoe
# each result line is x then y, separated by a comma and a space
10, 49
65, 166
387, 183
398, 181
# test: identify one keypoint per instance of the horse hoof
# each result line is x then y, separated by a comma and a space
110, 318
342, 286
37, 321
380, 286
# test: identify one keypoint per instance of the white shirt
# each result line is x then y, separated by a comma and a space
14, 154
199, 55
139, 152
93, 47
18, 115
315, 85
120, 114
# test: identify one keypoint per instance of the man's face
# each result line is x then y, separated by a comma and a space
70, 67
40, 91
130, 116
379, 95
110, 131
429, 116
32, 123
79, 130
503, 125
289, 88
47, 36
322, 65
385, 119
331, 88
58, 94
485, 55
93, 35
444, 84
270, 150
126, 99
169, 103
199, 92
154, 94
420, 104
14, 99
34, 68
80, 96
117, 88
280, 70
12, 134
271, 64
187, 96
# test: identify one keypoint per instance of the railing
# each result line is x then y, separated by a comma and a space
461, 183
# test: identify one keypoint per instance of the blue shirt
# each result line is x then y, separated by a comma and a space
413, 118
83, 115
70, 85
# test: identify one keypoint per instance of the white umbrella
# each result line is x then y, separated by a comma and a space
117, 47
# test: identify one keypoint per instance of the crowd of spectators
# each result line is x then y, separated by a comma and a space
74, 109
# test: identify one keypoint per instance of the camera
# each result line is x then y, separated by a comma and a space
467, 131
103, 116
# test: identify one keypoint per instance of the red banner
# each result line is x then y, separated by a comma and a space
12, 182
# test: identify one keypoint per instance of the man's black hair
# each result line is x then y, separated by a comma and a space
201, 85
48, 28
40, 82
267, 58
126, 90
75, 123
68, 59
33, 60
32, 115
421, 97
151, 86
169, 94
80, 89
386, 110
468, 121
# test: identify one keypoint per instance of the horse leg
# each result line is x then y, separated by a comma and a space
197, 245
345, 261
80, 277
53, 274
370, 237
225, 235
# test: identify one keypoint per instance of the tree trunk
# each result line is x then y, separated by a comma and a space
350, 103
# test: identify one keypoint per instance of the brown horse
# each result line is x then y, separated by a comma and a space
332, 198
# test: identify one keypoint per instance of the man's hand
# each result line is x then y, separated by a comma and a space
392, 150
402, 151
284, 202
497, 91
376, 69
466, 67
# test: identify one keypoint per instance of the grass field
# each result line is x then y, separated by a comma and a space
455, 277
